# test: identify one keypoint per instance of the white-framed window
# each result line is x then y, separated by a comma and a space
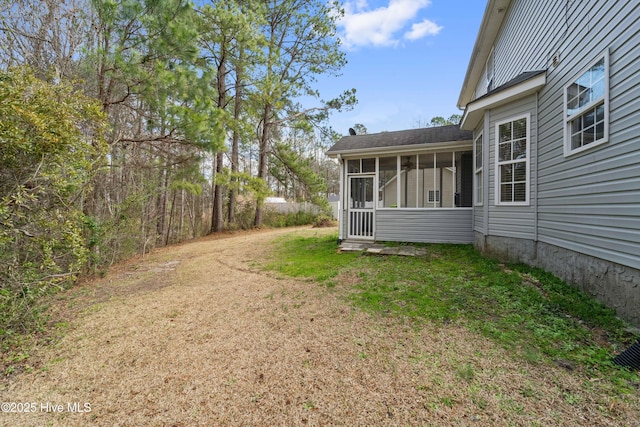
512, 161
485, 83
434, 196
586, 107
477, 168
489, 71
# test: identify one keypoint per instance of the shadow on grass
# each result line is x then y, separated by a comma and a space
526, 310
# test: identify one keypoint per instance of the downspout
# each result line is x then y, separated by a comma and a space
341, 201
535, 177
486, 170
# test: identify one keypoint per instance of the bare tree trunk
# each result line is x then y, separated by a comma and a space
173, 205
161, 204
191, 209
217, 220
262, 165
214, 169
181, 214
235, 139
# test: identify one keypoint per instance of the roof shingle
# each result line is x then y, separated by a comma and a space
400, 138
522, 77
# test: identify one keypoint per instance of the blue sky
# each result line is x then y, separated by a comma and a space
407, 60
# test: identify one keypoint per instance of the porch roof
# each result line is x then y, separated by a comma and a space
412, 139
522, 85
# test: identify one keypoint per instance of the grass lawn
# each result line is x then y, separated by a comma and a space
534, 315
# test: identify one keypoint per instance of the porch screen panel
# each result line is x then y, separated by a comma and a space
368, 165
464, 179
361, 193
408, 181
427, 181
446, 182
353, 166
388, 182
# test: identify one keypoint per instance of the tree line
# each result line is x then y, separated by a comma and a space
131, 124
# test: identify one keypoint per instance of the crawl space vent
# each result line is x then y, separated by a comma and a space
630, 357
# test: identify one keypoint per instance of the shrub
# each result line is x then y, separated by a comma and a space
324, 220
278, 220
50, 143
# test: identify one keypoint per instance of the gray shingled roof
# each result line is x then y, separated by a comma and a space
400, 138
522, 77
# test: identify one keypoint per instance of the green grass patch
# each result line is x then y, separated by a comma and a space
524, 309
313, 257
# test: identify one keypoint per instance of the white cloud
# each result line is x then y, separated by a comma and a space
379, 27
422, 29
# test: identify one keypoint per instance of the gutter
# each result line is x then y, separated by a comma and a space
494, 14
475, 109
432, 146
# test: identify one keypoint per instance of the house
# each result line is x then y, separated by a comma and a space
552, 95
412, 185
552, 98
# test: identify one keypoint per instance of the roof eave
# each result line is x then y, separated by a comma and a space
395, 149
475, 109
492, 19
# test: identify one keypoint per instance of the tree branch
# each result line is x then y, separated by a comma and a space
299, 114
29, 36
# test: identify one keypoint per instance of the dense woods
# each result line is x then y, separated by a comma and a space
132, 124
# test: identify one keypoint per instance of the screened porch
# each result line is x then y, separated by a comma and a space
411, 185
418, 197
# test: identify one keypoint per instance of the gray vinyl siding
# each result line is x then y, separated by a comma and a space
479, 211
344, 225
533, 27
478, 218
424, 225
504, 220
588, 202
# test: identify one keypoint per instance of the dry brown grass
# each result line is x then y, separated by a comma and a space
199, 335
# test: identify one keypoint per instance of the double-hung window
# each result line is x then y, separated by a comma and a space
512, 161
586, 107
477, 145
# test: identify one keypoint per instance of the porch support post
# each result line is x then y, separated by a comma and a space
454, 178
399, 175
376, 186
417, 203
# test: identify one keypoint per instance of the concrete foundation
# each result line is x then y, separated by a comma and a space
617, 286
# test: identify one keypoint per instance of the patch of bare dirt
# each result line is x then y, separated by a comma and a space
200, 335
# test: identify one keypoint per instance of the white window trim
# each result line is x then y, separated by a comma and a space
497, 201
568, 151
477, 171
